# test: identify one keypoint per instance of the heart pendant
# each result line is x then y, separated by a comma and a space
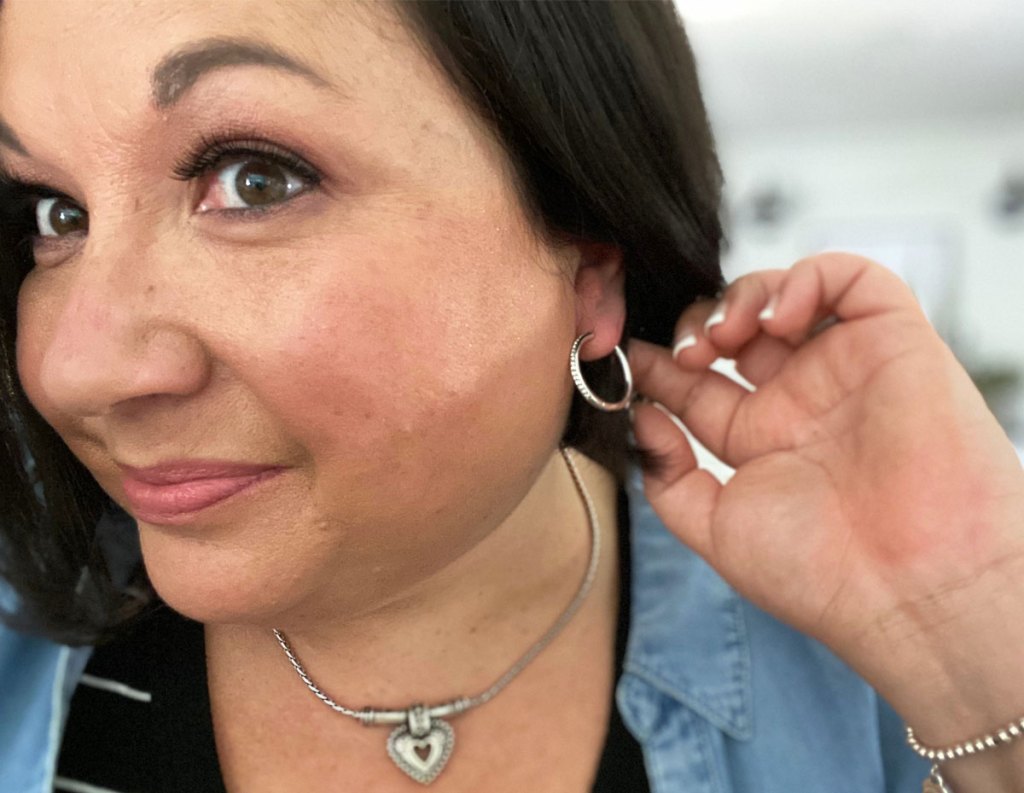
425, 756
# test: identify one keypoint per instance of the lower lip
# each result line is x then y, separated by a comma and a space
175, 505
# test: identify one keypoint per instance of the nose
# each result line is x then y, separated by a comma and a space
120, 332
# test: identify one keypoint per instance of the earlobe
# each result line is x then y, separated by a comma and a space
600, 298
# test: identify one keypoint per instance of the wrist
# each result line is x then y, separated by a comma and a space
961, 678
953, 672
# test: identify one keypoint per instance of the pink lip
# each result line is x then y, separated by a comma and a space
172, 493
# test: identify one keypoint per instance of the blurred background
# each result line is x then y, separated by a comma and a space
894, 129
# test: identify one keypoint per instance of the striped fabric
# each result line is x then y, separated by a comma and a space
140, 717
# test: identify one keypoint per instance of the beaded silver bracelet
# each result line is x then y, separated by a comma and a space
935, 783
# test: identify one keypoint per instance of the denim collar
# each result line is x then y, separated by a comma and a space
688, 638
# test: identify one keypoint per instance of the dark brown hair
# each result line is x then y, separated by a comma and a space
598, 107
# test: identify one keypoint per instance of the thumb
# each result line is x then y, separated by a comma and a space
684, 496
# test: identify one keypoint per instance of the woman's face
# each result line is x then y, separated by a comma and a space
339, 281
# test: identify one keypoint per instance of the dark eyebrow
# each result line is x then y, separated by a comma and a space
178, 71
10, 140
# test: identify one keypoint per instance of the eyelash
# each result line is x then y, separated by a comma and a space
17, 206
17, 198
210, 153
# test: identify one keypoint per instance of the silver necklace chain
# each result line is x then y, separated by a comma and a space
422, 746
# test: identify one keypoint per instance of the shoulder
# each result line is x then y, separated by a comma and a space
721, 690
37, 679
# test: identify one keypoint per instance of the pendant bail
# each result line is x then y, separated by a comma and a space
419, 721
935, 783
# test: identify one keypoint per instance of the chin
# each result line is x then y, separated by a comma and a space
212, 584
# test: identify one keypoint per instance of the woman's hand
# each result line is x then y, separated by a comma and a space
876, 505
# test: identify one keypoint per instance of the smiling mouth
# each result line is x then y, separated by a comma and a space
176, 503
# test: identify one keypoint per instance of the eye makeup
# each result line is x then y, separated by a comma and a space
18, 202
209, 153
207, 160
18, 198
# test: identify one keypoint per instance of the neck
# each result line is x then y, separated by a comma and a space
455, 633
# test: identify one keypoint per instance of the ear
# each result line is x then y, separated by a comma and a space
600, 297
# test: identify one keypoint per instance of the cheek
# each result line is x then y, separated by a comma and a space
421, 354
32, 332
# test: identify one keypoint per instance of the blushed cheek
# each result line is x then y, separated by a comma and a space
384, 369
360, 371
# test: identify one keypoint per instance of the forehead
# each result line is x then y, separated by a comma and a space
92, 63
111, 43
139, 28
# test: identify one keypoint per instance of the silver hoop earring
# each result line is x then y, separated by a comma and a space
584, 389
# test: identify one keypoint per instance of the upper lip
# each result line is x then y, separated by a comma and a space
175, 472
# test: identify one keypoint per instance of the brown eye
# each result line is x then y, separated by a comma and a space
56, 217
259, 183
253, 183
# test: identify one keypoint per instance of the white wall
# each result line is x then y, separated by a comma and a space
888, 124
932, 182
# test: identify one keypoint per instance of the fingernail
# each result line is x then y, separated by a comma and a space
768, 312
689, 340
717, 317
663, 409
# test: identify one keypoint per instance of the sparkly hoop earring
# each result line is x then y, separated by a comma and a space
584, 389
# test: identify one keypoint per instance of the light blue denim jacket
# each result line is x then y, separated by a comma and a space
722, 697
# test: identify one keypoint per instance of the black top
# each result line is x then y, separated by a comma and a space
140, 719
621, 769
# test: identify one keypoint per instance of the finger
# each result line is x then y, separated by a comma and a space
683, 494
705, 401
842, 285
658, 434
761, 359
692, 348
734, 320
